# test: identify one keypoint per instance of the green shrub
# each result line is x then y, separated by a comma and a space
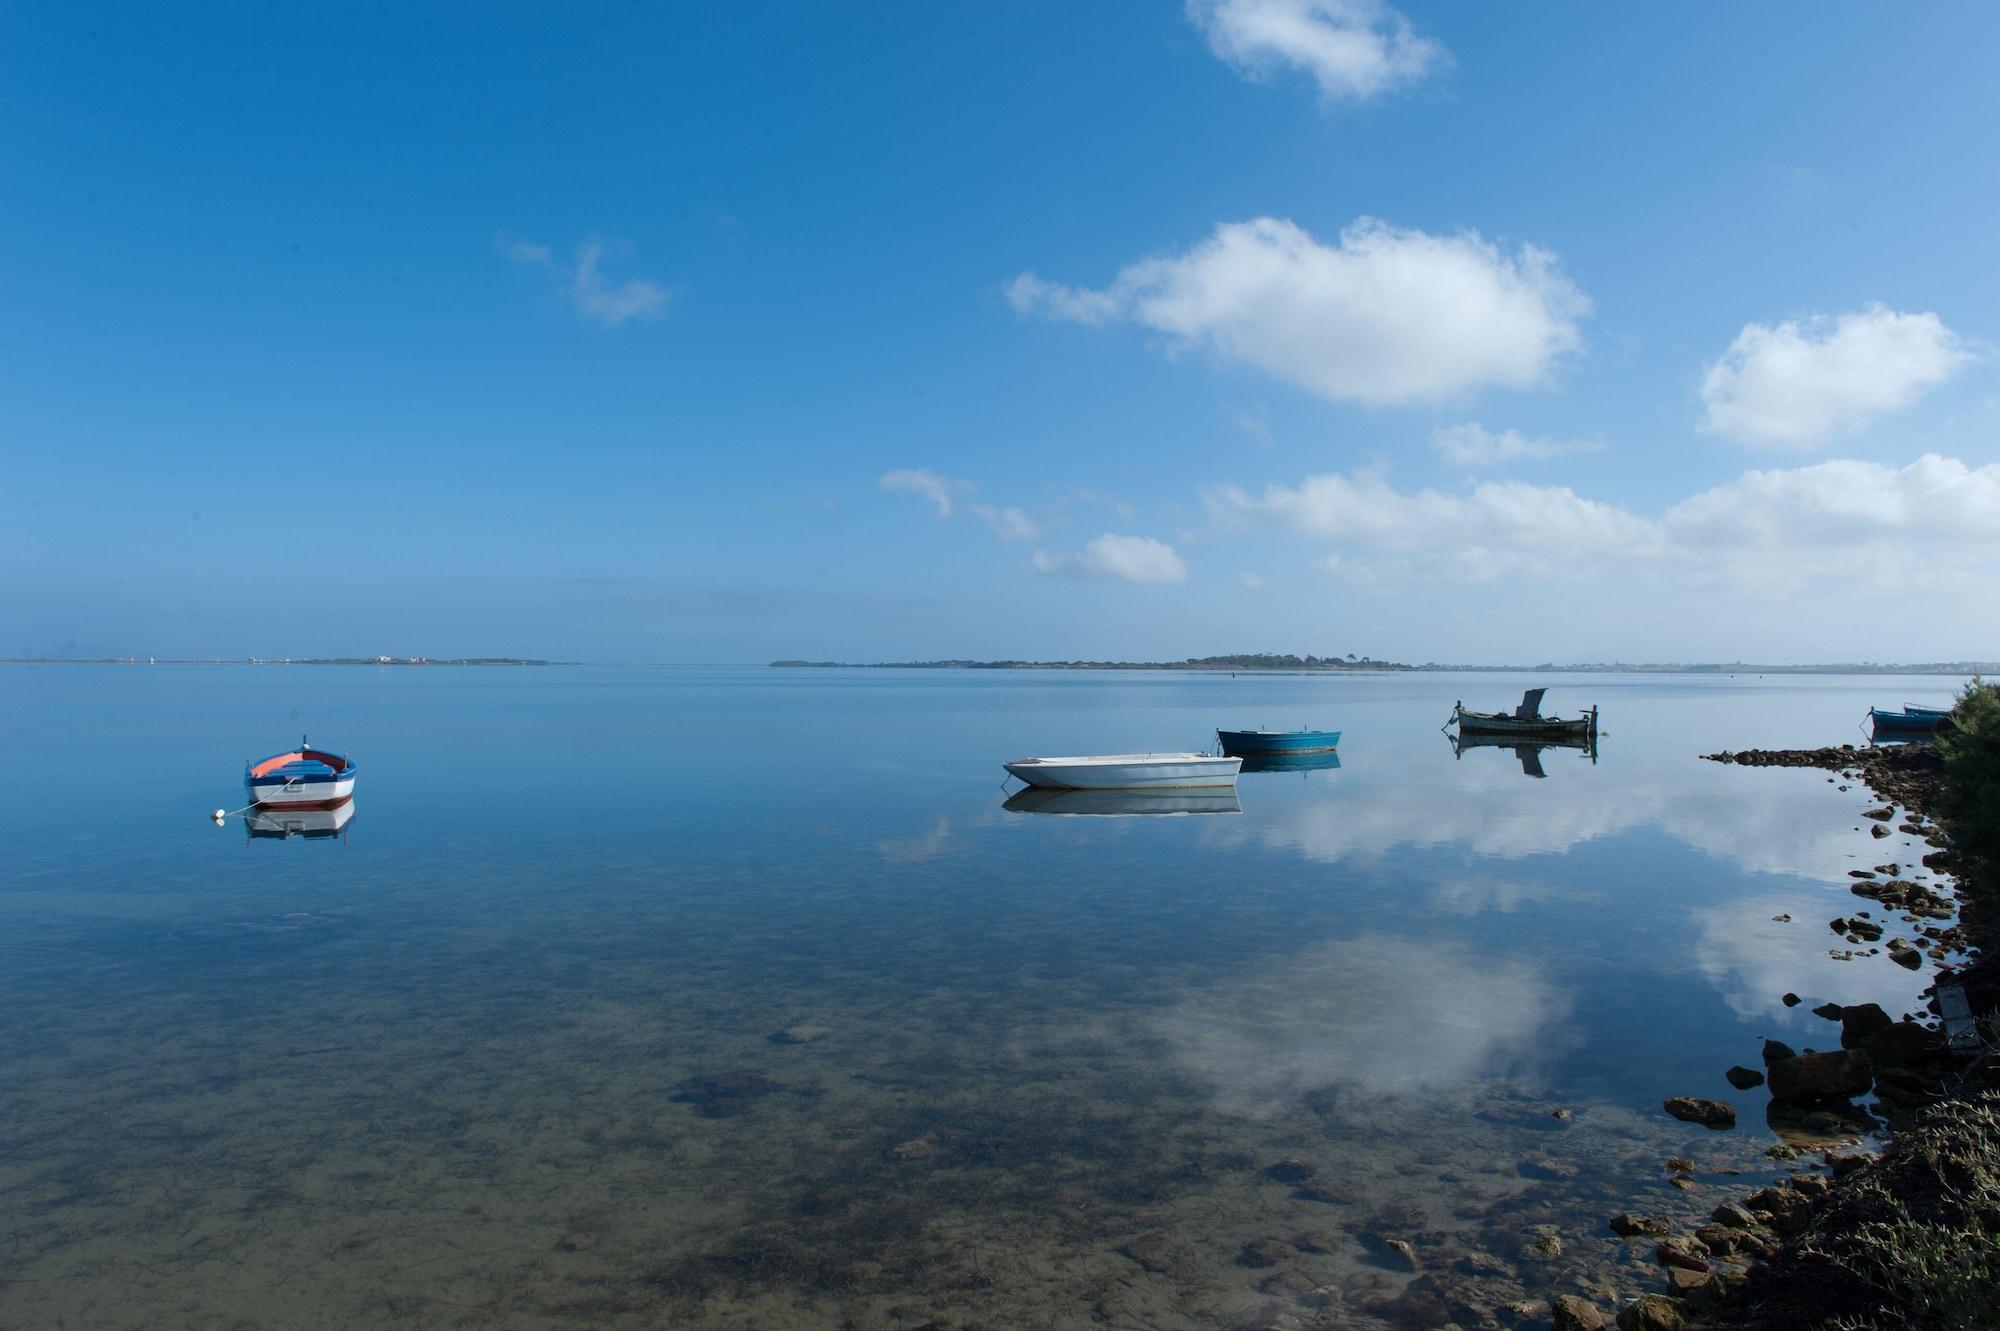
1970, 745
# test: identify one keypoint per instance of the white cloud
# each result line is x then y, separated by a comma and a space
1804, 382
1252, 581
1863, 526
1009, 524
590, 293
1353, 49
1477, 534
1139, 559
931, 486
1473, 445
1386, 316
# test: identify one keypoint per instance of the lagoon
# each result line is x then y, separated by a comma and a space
737, 997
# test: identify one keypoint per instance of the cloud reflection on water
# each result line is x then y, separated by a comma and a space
1374, 1015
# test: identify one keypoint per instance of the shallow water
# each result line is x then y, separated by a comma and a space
506, 1051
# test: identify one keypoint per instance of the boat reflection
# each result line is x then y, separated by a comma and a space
1124, 803
1291, 762
1528, 751
311, 824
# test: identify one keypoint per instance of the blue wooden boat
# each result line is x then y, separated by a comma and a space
1909, 721
1253, 743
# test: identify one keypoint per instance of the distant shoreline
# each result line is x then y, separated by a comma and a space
1329, 667
281, 661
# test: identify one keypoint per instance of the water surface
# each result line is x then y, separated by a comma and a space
510, 1048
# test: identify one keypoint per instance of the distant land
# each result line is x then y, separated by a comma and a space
1264, 661
274, 660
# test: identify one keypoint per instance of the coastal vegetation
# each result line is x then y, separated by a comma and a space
1970, 747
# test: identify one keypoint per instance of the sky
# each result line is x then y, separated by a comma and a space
693, 333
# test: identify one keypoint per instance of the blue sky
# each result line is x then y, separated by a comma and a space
1435, 332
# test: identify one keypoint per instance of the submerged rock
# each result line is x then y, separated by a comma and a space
724, 1095
1261, 1253
1630, 1226
1708, 1113
1684, 1250
1291, 1170
800, 1034
1571, 1313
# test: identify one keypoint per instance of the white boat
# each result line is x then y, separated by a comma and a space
306, 778
1127, 771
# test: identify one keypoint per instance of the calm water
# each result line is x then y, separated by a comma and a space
501, 1052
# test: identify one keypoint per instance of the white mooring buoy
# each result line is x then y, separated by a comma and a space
220, 815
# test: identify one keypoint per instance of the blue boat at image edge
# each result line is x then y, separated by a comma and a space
1270, 743
1909, 721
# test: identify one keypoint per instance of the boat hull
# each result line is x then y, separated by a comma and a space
1127, 771
1905, 722
1498, 723
304, 794
1249, 743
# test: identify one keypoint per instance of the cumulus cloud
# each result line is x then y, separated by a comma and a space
1385, 316
593, 295
1354, 49
1139, 559
1473, 445
1866, 526
927, 484
1803, 382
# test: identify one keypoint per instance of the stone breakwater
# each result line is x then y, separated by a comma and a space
1850, 1243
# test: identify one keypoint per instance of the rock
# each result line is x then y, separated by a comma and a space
1627, 1226
1791, 1000
1403, 1250
1904, 1044
1650, 1312
1683, 1182
1843, 1165
1735, 1216
914, 1150
1812, 1185
1743, 1078
1904, 955
1563, 1114
1881, 815
1878, 831
1859, 1023
1810, 1078
1708, 1113
1863, 931
1545, 1248
1571, 1313
1777, 1050
1682, 1282
1832, 1011
1891, 869
1680, 1164
1263, 1253
1683, 1250
1290, 1170
800, 1034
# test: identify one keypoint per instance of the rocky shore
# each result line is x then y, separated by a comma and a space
1909, 1238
